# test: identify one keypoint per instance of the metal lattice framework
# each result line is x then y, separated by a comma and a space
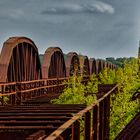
111, 66
100, 65
93, 66
108, 65
53, 63
84, 65
114, 66
19, 60
104, 64
72, 63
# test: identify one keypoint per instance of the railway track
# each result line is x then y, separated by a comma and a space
19, 122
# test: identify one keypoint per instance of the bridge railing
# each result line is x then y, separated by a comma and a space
7, 89
22, 91
17, 92
96, 121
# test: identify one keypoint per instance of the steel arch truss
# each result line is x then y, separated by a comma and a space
19, 60
100, 65
93, 66
53, 63
84, 65
72, 64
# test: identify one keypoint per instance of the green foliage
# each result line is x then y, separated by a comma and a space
123, 109
107, 76
5, 99
73, 93
92, 85
77, 93
120, 61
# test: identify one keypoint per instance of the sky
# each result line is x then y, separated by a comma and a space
96, 28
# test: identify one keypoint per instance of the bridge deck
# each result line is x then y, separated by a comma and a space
20, 121
45, 99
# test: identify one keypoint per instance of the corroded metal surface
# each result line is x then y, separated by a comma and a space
19, 92
19, 60
108, 65
97, 66
84, 65
131, 130
104, 64
35, 121
32, 122
100, 65
93, 66
39, 121
72, 63
53, 63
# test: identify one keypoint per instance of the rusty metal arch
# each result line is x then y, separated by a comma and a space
19, 60
110, 66
93, 65
100, 65
84, 65
104, 64
107, 65
72, 63
113, 66
53, 63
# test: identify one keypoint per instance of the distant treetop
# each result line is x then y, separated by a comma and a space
120, 61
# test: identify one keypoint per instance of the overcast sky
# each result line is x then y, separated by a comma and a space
96, 28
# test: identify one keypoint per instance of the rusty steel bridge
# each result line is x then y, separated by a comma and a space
30, 85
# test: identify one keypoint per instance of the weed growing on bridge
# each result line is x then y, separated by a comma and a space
73, 93
107, 76
123, 109
77, 92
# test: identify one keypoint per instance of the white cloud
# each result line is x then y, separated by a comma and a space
94, 7
64, 9
102, 7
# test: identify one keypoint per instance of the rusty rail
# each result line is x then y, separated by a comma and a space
21, 91
131, 130
94, 127
28, 122
64, 120
17, 92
